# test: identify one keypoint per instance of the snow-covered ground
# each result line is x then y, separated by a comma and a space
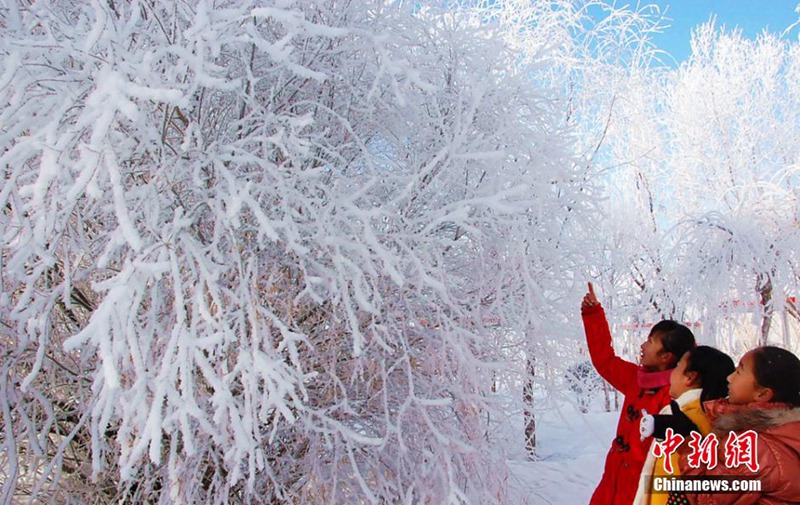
570, 454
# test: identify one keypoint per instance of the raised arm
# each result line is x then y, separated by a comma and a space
619, 373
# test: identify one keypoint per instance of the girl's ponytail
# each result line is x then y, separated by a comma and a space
713, 368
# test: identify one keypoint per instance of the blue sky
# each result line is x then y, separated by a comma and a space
752, 16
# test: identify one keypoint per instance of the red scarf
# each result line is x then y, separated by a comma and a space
652, 380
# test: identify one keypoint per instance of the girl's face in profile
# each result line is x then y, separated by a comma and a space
651, 353
743, 386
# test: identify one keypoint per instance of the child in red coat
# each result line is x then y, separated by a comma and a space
645, 386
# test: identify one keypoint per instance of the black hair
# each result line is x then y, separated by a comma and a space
675, 338
713, 368
779, 370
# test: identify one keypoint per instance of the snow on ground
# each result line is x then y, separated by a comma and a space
570, 454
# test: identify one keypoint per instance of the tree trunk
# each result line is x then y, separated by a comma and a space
527, 400
765, 292
606, 397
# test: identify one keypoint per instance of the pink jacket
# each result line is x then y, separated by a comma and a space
778, 429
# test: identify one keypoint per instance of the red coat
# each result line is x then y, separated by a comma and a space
627, 455
778, 429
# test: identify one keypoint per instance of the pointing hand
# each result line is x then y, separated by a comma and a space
590, 299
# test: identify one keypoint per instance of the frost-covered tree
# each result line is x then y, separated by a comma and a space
255, 252
703, 166
733, 112
604, 54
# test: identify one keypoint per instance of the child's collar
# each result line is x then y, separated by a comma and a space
689, 396
683, 400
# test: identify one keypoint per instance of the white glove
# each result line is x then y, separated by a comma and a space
646, 425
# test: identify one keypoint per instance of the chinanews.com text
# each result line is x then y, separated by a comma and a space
704, 484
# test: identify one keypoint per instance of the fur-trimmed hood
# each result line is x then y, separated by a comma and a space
777, 424
755, 419
778, 429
